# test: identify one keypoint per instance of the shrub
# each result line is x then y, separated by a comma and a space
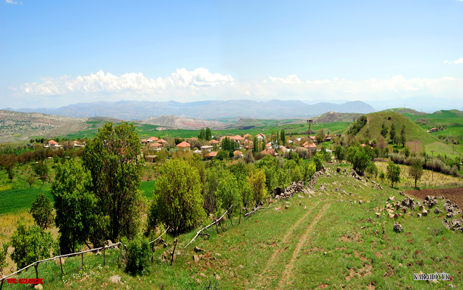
3, 253
137, 256
42, 211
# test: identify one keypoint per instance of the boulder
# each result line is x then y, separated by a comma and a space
449, 214
424, 212
195, 258
38, 287
115, 279
436, 210
418, 215
397, 227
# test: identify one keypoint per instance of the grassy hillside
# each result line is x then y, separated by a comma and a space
324, 241
332, 117
412, 131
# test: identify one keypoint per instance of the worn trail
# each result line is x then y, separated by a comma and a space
284, 240
289, 267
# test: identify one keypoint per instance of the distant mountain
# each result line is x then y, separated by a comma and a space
139, 110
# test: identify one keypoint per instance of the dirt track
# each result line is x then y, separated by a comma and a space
454, 194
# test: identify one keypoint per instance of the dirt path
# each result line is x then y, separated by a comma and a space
284, 240
287, 273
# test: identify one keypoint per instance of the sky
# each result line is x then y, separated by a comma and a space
386, 53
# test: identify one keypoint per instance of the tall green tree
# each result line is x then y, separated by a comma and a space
112, 159
42, 211
41, 169
202, 134
403, 137
283, 137
75, 205
257, 181
229, 194
30, 243
416, 170
340, 153
177, 199
392, 132
208, 134
393, 173
255, 147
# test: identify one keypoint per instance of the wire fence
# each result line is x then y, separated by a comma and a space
36, 263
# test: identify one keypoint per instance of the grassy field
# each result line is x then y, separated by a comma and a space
328, 240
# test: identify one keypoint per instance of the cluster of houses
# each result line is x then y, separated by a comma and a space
52, 144
243, 142
435, 129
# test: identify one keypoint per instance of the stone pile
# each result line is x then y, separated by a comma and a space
397, 227
451, 209
289, 191
355, 175
454, 225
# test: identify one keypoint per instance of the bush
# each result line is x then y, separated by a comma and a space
3, 253
42, 211
137, 256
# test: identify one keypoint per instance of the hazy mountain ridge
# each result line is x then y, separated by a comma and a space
139, 110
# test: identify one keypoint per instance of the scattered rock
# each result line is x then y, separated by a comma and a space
436, 211
425, 212
197, 249
286, 206
38, 286
418, 215
195, 258
217, 277
115, 279
198, 281
360, 201
397, 227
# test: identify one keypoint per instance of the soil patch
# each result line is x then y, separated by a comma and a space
454, 194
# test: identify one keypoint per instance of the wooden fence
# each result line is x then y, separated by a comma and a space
36, 264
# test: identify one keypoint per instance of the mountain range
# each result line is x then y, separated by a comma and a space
140, 110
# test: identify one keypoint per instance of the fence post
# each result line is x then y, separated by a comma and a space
60, 261
37, 268
173, 252
82, 258
1, 285
104, 254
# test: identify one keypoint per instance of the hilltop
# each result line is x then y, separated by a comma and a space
417, 137
332, 117
405, 111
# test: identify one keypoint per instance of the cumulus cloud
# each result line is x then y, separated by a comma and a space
291, 79
200, 84
133, 82
458, 61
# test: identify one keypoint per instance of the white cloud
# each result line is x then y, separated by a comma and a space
200, 84
458, 61
11, 2
130, 82
291, 79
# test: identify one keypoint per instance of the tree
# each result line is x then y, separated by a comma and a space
208, 134
393, 173
42, 211
372, 170
257, 181
382, 176
30, 243
255, 148
248, 157
41, 169
382, 143
392, 133
406, 152
403, 138
75, 206
318, 159
3, 254
202, 134
340, 153
31, 141
112, 159
283, 137
229, 194
359, 159
177, 199
416, 170
384, 130
320, 137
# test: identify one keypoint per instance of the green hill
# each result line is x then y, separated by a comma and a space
417, 137
332, 117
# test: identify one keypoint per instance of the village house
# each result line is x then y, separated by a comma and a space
155, 146
211, 155
269, 151
310, 146
185, 146
206, 148
152, 139
260, 136
238, 154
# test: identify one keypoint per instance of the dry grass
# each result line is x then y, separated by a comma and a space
415, 146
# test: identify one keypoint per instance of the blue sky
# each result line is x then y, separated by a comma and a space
54, 53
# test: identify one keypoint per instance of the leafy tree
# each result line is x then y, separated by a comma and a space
416, 170
75, 206
42, 211
222, 154
255, 148
28, 243
211, 202
359, 159
177, 201
308, 170
340, 153
283, 137
372, 170
318, 159
320, 137
406, 152
248, 157
229, 194
138, 253
3, 254
257, 181
403, 137
393, 173
41, 169
392, 133
111, 158
202, 134
31, 141
384, 130
382, 176
208, 134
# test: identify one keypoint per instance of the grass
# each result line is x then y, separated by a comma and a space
289, 245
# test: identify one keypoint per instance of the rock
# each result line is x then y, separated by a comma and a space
165, 255
449, 214
425, 212
197, 249
109, 243
360, 201
60, 260
241, 266
418, 215
202, 275
38, 286
115, 279
198, 281
195, 258
378, 214
217, 277
397, 227
324, 253
286, 206
392, 198
391, 216
404, 209
338, 169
